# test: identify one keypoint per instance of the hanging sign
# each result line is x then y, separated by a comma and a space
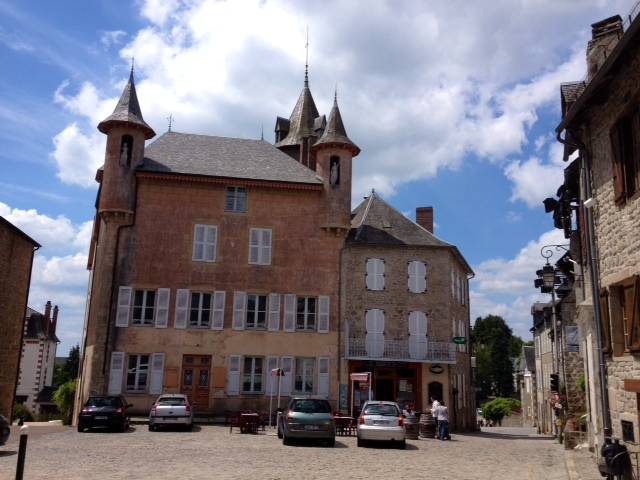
460, 340
436, 369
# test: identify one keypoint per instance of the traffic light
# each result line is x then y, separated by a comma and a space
555, 386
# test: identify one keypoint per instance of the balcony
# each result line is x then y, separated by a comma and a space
400, 351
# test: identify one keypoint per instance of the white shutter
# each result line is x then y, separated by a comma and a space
274, 312
210, 244
239, 305
254, 245
182, 309
198, 243
375, 333
290, 308
265, 247
375, 274
162, 308
272, 382
233, 375
380, 274
115, 373
124, 304
323, 314
218, 310
417, 335
323, 376
157, 373
417, 272
286, 380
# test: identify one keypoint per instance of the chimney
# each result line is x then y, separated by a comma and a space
54, 321
604, 36
424, 218
47, 317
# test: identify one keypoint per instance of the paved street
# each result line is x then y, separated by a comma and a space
210, 451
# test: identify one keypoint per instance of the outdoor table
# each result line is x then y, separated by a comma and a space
344, 425
249, 422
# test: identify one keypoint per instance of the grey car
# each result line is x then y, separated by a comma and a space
309, 418
4, 430
171, 409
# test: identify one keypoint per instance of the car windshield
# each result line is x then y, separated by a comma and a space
103, 402
173, 402
311, 406
384, 410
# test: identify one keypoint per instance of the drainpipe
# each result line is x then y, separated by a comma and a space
593, 272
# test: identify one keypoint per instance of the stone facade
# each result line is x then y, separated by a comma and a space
16, 260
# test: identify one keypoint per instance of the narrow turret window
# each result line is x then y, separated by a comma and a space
334, 170
126, 144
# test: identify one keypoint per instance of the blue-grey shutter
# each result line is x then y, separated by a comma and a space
115, 373
286, 380
239, 305
290, 309
157, 373
162, 308
124, 306
198, 243
182, 309
323, 314
218, 310
233, 375
274, 312
323, 376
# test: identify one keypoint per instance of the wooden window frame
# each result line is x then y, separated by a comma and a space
236, 199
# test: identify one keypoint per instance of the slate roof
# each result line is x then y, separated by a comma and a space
375, 222
233, 158
529, 359
127, 110
303, 118
335, 133
36, 328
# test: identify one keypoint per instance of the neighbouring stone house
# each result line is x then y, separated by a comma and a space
527, 386
216, 261
16, 260
39, 345
404, 299
601, 124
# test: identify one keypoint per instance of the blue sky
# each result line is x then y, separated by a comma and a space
453, 104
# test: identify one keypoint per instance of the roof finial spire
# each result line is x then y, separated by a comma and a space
132, 60
335, 95
262, 133
306, 66
170, 118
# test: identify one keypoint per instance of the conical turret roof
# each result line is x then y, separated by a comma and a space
128, 111
303, 118
335, 133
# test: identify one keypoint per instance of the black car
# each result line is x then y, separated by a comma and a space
105, 411
4, 430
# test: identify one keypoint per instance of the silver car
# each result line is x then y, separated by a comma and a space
381, 421
171, 409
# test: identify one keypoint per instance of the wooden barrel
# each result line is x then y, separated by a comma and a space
427, 427
411, 428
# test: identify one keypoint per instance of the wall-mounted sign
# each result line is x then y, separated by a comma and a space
436, 369
459, 340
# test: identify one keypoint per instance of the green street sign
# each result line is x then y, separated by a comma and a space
459, 340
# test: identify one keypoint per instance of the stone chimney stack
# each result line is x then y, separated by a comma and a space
604, 36
54, 322
47, 316
424, 218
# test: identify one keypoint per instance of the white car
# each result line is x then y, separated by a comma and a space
381, 421
171, 409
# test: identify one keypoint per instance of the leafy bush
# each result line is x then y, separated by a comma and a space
499, 408
64, 398
20, 410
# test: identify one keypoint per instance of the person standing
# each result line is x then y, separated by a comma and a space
442, 413
434, 405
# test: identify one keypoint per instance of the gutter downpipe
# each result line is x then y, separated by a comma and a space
593, 273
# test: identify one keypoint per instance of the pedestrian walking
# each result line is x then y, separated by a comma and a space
442, 414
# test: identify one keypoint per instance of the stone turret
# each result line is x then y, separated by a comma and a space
604, 36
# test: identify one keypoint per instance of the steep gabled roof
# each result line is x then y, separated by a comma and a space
234, 158
127, 111
335, 133
303, 118
375, 222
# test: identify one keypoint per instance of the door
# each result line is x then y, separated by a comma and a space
384, 389
196, 379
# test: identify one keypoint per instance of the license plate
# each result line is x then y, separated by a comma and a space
101, 418
381, 422
168, 418
312, 427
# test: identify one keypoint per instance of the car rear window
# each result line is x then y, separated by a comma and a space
103, 402
311, 406
173, 402
385, 410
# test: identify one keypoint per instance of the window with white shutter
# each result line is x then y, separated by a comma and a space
323, 376
182, 309
239, 299
286, 380
157, 373
115, 373
274, 312
417, 335
233, 375
375, 333
290, 306
124, 306
218, 310
375, 274
205, 240
417, 277
260, 246
162, 311
272, 381
323, 314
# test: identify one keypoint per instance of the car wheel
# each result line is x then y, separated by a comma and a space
331, 442
80, 428
280, 434
190, 427
402, 445
123, 427
285, 440
360, 442
151, 428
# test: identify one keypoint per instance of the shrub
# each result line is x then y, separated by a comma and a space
64, 398
499, 408
20, 410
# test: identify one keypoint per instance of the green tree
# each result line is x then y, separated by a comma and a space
63, 372
64, 398
494, 367
499, 408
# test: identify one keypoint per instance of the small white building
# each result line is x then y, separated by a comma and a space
39, 344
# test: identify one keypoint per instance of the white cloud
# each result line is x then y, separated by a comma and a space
109, 39
78, 156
